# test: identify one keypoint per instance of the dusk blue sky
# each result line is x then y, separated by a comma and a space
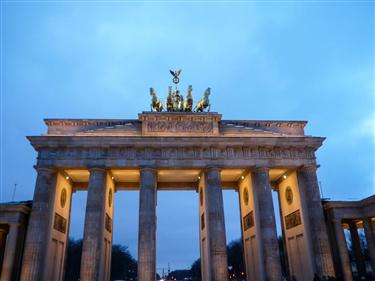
284, 60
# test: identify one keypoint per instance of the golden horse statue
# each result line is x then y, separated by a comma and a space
188, 104
204, 102
155, 102
170, 100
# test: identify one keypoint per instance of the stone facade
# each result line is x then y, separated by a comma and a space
351, 216
196, 151
14, 218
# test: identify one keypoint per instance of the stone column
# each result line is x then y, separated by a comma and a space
10, 254
40, 224
343, 250
285, 256
267, 225
215, 225
92, 260
356, 246
370, 237
147, 225
309, 190
3, 237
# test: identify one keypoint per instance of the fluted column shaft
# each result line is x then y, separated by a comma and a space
147, 225
216, 225
356, 246
343, 250
309, 190
92, 260
267, 225
370, 238
39, 228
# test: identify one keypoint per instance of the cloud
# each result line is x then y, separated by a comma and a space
366, 128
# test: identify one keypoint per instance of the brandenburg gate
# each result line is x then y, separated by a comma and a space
178, 150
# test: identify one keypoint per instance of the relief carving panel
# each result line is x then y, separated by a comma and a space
181, 124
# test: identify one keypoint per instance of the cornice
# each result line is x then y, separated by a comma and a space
14, 208
113, 122
142, 141
88, 122
267, 123
350, 204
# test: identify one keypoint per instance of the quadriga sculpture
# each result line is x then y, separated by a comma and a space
170, 99
188, 105
179, 102
155, 102
204, 102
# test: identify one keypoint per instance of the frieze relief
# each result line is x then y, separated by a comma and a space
147, 153
180, 126
188, 124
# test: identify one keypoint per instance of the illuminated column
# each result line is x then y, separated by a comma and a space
97, 237
370, 238
252, 248
39, 228
267, 225
147, 225
343, 250
356, 244
213, 239
310, 195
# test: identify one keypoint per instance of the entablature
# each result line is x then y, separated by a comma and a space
173, 152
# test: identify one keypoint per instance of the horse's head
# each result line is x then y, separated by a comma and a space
152, 92
190, 92
207, 92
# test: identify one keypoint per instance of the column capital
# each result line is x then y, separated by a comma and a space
147, 168
97, 169
337, 221
352, 223
14, 224
366, 219
309, 168
45, 169
213, 168
260, 169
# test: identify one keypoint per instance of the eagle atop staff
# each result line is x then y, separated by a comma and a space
175, 74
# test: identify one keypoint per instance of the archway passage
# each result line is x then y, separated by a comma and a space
74, 246
177, 231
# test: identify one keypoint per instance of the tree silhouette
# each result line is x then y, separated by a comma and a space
235, 262
123, 265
